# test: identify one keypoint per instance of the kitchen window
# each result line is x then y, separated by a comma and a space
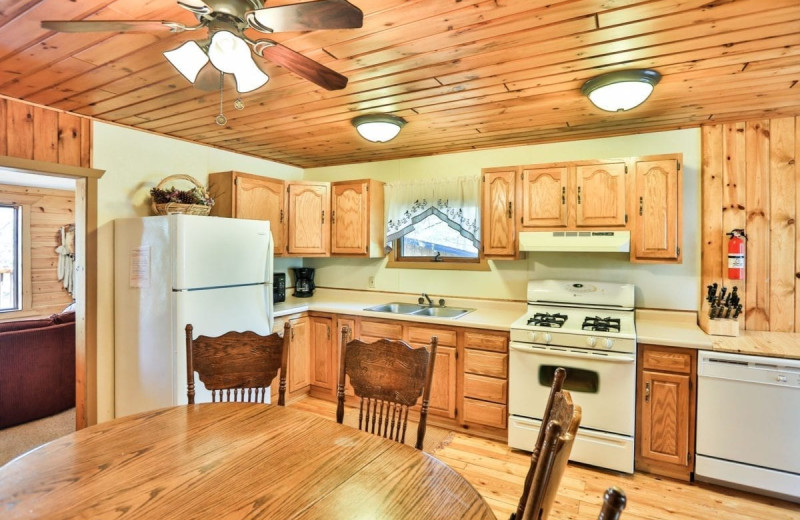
433, 223
10, 258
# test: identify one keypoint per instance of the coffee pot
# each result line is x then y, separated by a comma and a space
303, 282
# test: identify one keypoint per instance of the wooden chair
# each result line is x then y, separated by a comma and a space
238, 366
388, 376
614, 502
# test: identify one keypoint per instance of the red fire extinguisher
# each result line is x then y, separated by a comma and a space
736, 250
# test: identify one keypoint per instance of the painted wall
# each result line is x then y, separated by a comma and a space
135, 162
658, 286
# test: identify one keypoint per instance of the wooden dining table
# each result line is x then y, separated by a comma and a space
231, 461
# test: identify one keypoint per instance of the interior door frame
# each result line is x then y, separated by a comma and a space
85, 280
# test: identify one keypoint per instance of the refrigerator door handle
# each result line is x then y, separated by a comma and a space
269, 281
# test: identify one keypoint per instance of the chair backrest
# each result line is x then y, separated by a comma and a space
565, 417
388, 376
558, 382
238, 366
614, 502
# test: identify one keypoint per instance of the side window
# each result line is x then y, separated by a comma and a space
434, 240
10, 258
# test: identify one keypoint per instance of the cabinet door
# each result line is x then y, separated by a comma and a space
657, 226
309, 233
600, 195
543, 197
323, 373
350, 218
299, 369
443, 387
497, 212
340, 323
263, 199
665, 417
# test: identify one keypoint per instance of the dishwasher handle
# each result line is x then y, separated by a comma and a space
593, 355
749, 369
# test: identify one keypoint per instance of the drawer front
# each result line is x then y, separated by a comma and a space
486, 388
423, 335
485, 363
667, 360
377, 329
494, 342
489, 414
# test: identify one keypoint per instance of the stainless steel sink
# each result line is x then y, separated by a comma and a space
442, 312
396, 307
420, 310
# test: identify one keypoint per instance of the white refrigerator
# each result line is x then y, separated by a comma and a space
212, 272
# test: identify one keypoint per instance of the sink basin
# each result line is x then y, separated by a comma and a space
396, 307
442, 312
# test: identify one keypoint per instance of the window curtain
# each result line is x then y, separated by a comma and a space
456, 201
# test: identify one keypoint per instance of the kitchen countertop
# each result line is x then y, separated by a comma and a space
653, 327
488, 314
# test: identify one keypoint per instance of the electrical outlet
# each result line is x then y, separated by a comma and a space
371, 282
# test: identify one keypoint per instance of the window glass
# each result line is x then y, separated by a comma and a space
434, 238
10, 266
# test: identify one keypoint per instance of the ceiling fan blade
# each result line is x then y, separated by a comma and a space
79, 26
304, 67
320, 14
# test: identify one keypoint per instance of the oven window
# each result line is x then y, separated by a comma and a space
577, 380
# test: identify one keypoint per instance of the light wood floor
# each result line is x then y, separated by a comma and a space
497, 472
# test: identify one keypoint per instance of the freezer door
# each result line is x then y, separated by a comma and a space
214, 312
218, 252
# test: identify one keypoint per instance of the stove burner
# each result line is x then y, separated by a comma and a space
545, 319
601, 324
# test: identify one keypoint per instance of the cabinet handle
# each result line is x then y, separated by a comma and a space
563, 195
329, 331
323, 216
509, 210
641, 205
281, 216
292, 333
333, 217
647, 392
579, 194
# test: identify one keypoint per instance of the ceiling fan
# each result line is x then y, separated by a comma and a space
227, 50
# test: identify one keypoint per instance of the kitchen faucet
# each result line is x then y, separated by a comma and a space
425, 297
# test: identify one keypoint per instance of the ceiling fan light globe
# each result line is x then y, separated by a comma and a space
249, 80
621, 90
231, 55
188, 59
378, 128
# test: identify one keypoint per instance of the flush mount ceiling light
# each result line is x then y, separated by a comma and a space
378, 128
621, 90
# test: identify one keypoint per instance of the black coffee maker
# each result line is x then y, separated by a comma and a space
303, 282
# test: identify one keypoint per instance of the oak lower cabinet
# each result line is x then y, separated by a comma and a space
299, 369
443, 387
322, 361
243, 195
665, 411
498, 229
357, 224
485, 383
309, 231
656, 233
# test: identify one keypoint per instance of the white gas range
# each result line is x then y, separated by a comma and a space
588, 328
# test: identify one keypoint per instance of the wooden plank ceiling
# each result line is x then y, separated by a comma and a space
465, 74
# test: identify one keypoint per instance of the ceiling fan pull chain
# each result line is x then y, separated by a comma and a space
221, 119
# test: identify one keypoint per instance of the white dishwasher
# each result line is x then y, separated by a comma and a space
748, 423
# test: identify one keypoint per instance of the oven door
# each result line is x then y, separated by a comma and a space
602, 383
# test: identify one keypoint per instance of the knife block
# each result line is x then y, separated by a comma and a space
718, 326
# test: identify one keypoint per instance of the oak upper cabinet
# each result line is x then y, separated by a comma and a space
299, 369
543, 196
600, 194
357, 224
243, 195
497, 212
309, 214
657, 219
665, 411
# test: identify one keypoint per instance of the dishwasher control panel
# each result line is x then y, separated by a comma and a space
749, 369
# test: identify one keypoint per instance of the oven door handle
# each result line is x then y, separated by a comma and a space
611, 357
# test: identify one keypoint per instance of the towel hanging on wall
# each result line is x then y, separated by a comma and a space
66, 256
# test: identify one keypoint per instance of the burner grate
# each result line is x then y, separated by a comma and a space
545, 319
599, 324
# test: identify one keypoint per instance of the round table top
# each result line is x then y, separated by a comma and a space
231, 461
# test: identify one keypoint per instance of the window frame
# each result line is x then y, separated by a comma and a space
26, 300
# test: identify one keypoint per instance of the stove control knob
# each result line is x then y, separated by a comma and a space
608, 343
547, 338
532, 336
591, 341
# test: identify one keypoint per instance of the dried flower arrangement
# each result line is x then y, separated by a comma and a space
195, 200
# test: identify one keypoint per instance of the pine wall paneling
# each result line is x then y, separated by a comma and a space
750, 181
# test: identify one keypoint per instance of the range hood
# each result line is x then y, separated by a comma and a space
579, 241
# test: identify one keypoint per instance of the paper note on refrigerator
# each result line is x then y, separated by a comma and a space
139, 271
